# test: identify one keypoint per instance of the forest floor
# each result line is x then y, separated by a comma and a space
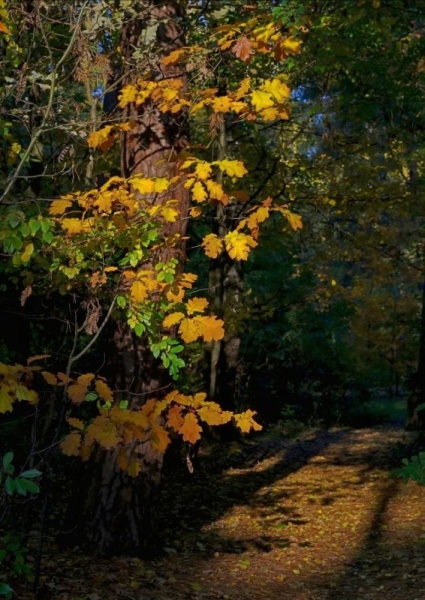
316, 517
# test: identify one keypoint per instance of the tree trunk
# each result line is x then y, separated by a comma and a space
122, 511
415, 417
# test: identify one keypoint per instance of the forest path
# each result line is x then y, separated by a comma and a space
316, 518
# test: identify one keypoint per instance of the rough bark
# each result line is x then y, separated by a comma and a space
122, 510
415, 417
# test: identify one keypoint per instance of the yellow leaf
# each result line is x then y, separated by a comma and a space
49, 378
175, 418
104, 391
161, 184
71, 443
221, 104
261, 100
198, 192
196, 305
190, 430
245, 421
23, 393
77, 423
291, 44
72, 226
58, 207
189, 330
173, 57
294, 220
215, 189
6, 400
243, 88
210, 328
134, 467
170, 214
159, 438
104, 432
278, 90
238, 245
233, 168
195, 211
172, 319
143, 185
139, 291
212, 414
203, 170
97, 138
78, 390
212, 245
28, 252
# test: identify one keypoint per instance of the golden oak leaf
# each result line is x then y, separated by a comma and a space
6, 400
139, 291
104, 432
245, 421
243, 49
199, 193
173, 57
122, 459
63, 379
278, 90
159, 438
212, 245
175, 418
189, 330
86, 449
134, 466
24, 393
233, 168
257, 217
221, 104
129, 274
196, 305
269, 114
161, 184
58, 207
195, 211
97, 138
72, 226
294, 220
190, 430
212, 414
143, 185
76, 423
238, 245
175, 294
210, 328
170, 214
198, 399
243, 88
104, 201
215, 189
261, 100
173, 319
104, 391
203, 170
49, 378
71, 443
291, 45
78, 390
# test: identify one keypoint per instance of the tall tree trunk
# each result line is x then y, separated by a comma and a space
415, 417
121, 510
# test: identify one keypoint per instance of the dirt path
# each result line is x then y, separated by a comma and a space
317, 518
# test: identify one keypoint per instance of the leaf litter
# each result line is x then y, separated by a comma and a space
313, 518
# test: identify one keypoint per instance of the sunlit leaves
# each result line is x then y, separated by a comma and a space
238, 244
246, 422
14, 386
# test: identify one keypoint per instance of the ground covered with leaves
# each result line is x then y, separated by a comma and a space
316, 517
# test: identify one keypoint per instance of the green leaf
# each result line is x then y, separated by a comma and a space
7, 463
6, 590
91, 397
9, 486
30, 473
24, 485
139, 329
121, 301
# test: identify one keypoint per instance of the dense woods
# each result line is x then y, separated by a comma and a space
211, 225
